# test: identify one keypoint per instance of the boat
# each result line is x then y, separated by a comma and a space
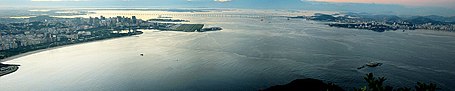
370, 64
373, 64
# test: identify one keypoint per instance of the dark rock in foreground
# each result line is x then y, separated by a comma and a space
305, 85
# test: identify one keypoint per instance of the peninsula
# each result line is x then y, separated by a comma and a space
7, 69
29, 34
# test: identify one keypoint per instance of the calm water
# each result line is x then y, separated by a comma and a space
248, 55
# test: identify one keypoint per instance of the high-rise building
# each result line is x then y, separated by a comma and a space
1, 46
91, 21
97, 21
103, 18
119, 19
134, 19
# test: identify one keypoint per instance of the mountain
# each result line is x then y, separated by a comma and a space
441, 18
423, 20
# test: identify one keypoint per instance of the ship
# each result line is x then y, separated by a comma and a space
371, 64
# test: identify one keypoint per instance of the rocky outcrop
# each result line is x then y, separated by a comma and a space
7, 69
305, 85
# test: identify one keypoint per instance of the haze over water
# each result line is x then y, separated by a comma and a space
249, 54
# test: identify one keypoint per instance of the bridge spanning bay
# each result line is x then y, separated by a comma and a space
199, 15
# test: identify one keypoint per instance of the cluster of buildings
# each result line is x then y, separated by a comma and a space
401, 25
119, 21
42, 30
450, 27
382, 23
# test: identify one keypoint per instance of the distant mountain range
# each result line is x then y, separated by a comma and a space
434, 19
381, 23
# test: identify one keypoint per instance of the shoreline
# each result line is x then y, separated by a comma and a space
51, 48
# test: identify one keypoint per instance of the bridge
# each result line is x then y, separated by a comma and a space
200, 15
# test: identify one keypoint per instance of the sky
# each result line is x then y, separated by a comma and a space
432, 3
438, 7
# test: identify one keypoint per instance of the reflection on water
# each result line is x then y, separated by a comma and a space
249, 54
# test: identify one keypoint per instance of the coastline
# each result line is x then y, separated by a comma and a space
56, 47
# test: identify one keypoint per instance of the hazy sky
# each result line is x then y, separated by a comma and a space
438, 7
433, 3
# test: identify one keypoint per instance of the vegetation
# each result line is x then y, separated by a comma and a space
374, 84
305, 85
7, 68
189, 27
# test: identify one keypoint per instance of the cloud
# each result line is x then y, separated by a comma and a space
222, 1
58, 0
